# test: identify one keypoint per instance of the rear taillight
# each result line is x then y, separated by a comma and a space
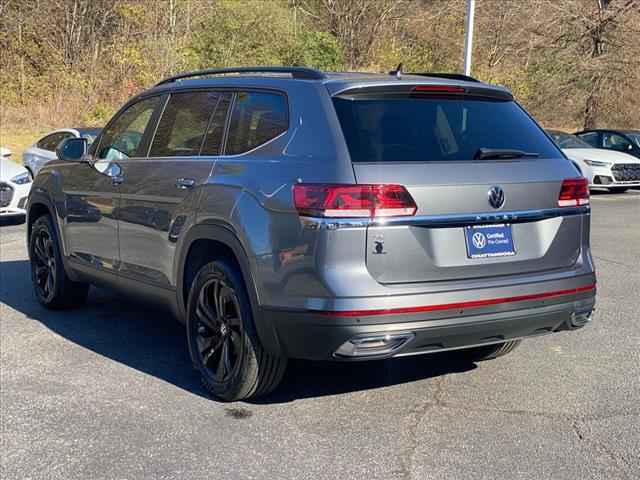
355, 201
574, 192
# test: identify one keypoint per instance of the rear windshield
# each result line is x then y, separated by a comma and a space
414, 129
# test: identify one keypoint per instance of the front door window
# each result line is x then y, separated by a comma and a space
122, 139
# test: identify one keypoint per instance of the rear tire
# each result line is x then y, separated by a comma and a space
618, 189
222, 339
489, 352
52, 286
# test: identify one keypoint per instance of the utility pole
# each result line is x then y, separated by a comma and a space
468, 36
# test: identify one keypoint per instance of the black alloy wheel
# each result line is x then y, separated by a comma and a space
222, 337
52, 286
219, 332
44, 265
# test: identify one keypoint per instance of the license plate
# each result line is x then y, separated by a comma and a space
485, 241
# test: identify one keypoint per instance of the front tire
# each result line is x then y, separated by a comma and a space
489, 352
222, 339
52, 286
618, 189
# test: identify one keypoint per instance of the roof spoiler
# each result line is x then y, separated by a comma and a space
300, 73
398, 73
450, 76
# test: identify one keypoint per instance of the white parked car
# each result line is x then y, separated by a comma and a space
15, 184
44, 150
615, 171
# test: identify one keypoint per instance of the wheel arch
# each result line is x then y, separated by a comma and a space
36, 210
40, 204
204, 243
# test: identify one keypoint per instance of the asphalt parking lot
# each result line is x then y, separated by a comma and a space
106, 391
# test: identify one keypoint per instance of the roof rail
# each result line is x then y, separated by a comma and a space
301, 73
450, 76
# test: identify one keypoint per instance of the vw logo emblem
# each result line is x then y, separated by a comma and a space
479, 240
496, 197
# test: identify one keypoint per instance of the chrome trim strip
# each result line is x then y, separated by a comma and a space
451, 349
445, 221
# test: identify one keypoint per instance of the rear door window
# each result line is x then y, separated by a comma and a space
257, 117
414, 129
183, 125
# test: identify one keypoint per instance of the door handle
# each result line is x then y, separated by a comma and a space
117, 179
185, 183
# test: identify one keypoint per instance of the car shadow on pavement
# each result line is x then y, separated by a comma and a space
306, 379
150, 340
12, 220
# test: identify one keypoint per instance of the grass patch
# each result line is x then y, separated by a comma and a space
18, 140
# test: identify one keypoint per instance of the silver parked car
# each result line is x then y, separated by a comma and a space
290, 213
44, 150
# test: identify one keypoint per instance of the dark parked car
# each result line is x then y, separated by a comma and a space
290, 213
627, 141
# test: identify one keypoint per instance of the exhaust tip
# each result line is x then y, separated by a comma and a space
374, 345
580, 319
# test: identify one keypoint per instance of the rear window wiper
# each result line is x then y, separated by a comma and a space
501, 153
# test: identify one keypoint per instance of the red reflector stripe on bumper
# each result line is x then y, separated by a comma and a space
458, 305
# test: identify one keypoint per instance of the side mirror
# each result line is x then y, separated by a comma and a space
72, 149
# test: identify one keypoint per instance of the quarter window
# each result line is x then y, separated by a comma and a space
183, 124
123, 137
257, 117
51, 142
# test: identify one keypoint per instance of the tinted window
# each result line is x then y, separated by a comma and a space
123, 136
51, 142
257, 117
213, 141
566, 140
44, 143
635, 137
436, 129
591, 138
183, 124
90, 135
616, 142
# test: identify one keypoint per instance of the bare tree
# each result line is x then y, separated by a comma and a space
357, 24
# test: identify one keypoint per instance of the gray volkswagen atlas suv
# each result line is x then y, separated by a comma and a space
290, 213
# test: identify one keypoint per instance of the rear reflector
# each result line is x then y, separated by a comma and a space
354, 201
458, 305
438, 89
574, 192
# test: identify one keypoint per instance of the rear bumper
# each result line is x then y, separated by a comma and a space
319, 335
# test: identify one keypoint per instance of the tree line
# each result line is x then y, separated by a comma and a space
572, 63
